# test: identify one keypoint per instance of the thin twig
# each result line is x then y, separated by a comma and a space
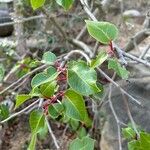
51, 133
21, 20
103, 73
116, 117
23, 77
144, 52
87, 10
82, 32
144, 62
129, 114
77, 52
117, 85
138, 37
20, 112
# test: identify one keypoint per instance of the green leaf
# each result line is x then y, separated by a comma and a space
85, 143
55, 110
36, 121
103, 32
4, 112
143, 143
43, 132
134, 145
44, 83
32, 142
75, 107
35, 92
66, 4
50, 71
2, 72
43, 77
81, 132
128, 133
48, 89
37, 3
115, 65
99, 95
38, 79
20, 99
145, 140
102, 56
48, 58
74, 124
82, 78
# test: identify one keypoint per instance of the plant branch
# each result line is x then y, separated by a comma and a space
129, 114
23, 77
51, 133
115, 115
20, 112
117, 85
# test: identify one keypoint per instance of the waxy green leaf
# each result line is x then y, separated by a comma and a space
4, 112
75, 107
143, 143
37, 3
20, 99
82, 78
66, 4
128, 133
49, 58
103, 32
36, 121
115, 65
55, 110
86, 143
48, 89
101, 57
44, 77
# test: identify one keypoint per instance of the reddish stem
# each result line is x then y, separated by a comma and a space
111, 51
52, 100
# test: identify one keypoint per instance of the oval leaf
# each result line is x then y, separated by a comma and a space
75, 107
37, 3
66, 4
82, 78
103, 32
101, 57
43, 77
55, 110
115, 65
20, 99
36, 121
85, 143
48, 89
49, 58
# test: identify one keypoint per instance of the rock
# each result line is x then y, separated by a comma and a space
141, 115
4, 18
132, 13
1, 135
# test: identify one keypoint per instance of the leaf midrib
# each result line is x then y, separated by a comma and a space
75, 107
